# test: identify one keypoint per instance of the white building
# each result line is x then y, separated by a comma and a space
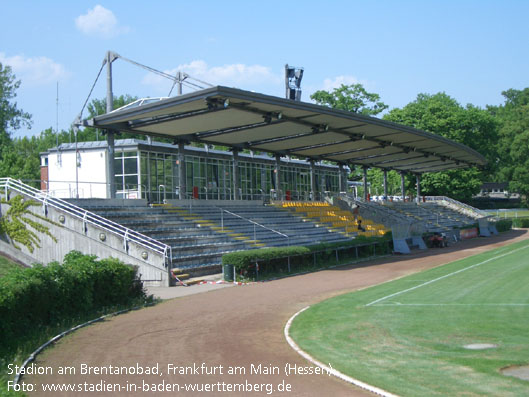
152, 171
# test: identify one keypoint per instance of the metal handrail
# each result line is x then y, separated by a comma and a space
89, 217
373, 212
474, 211
164, 193
222, 210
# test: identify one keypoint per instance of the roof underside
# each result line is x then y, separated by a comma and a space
246, 120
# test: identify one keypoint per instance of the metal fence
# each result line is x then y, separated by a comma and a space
263, 269
128, 235
458, 206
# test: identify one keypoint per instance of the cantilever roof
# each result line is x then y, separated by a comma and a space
247, 120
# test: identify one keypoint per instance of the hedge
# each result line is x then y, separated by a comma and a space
243, 260
472, 226
504, 225
521, 222
41, 296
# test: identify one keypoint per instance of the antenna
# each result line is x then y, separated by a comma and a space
59, 155
57, 117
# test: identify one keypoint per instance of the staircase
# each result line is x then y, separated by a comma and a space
334, 218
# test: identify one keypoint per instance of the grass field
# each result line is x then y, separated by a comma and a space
509, 214
408, 336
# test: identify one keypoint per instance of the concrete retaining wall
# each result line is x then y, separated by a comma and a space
73, 234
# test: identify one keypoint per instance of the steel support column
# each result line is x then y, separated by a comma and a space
312, 180
111, 174
236, 187
385, 184
418, 179
182, 186
402, 187
365, 183
277, 171
343, 178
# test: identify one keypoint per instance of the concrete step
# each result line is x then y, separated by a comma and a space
163, 232
206, 268
181, 276
205, 249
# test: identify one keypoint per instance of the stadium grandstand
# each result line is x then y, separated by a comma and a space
281, 180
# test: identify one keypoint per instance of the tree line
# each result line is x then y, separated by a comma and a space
500, 133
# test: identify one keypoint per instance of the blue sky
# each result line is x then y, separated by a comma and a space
472, 50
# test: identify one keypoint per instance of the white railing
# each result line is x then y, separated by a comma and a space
459, 206
375, 211
128, 235
222, 211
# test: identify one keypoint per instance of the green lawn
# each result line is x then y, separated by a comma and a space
407, 336
509, 214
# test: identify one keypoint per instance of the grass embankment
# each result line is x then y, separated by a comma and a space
412, 343
6, 265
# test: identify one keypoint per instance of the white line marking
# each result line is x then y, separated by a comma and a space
453, 304
445, 276
328, 369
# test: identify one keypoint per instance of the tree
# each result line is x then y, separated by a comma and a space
20, 159
375, 177
513, 146
353, 98
98, 107
442, 115
11, 117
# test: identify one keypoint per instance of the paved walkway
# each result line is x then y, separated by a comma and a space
179, 291
241, 327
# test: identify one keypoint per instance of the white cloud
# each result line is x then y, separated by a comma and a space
99, 22
330, 84
35, 71
234, 75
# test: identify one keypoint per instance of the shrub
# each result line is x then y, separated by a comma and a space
46, 296
273, 260
465, 227
521, 222
243, 259
504, 225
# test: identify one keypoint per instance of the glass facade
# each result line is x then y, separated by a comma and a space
154, 175
159, 175
126, 174
255, 179
208, 178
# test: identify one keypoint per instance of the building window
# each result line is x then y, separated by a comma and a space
155, 176
126, 174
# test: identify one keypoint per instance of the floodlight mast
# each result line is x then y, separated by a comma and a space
177, 80
110, 57
293, 76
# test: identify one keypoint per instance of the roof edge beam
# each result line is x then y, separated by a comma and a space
212, 106
375, 164
315, 130
319, 145
228, 130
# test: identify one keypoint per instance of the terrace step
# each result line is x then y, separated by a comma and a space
200, 238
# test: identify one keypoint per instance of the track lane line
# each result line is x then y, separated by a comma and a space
445, 276
327, 368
